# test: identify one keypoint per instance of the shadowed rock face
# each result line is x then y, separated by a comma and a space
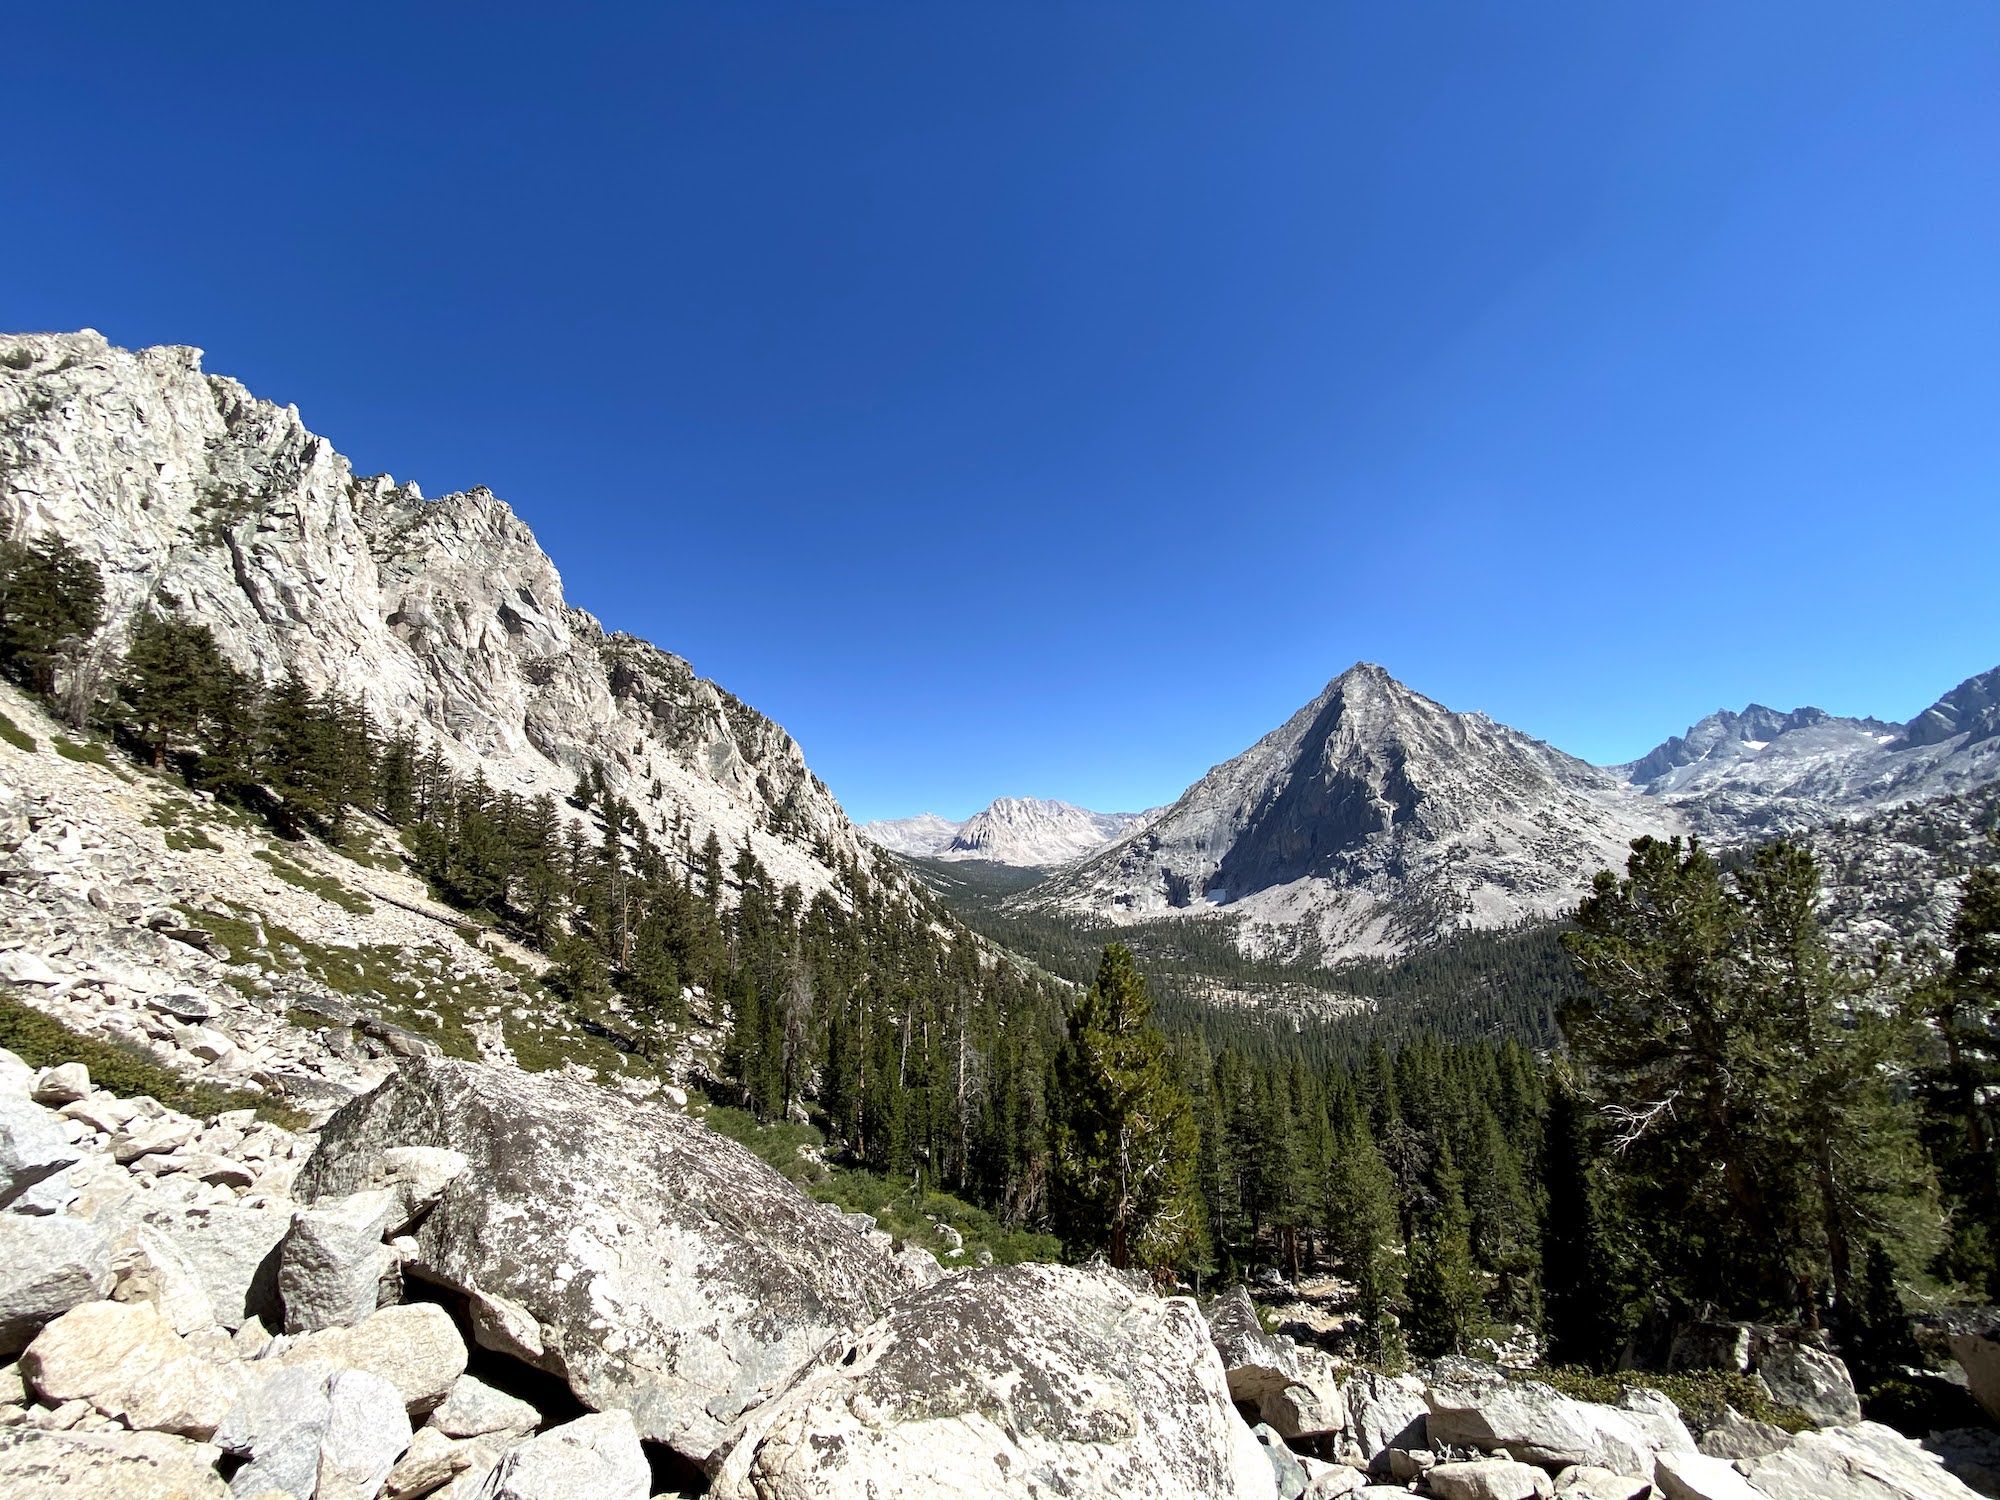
1371, 821
658, 1268
1016, 1381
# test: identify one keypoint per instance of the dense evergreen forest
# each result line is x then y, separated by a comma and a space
1698, 1112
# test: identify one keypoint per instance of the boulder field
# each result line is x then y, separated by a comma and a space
481, 1284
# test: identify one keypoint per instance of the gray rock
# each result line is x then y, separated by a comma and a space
1477, 1407
183, 1005
23, 967
415, 1347
1385, 1411
1286, 1469
1488, 1479
1334, 1481
233, 1253
1813, 1381
1978, 1354
679, 1278
1009, 1382
1737, 1436
418, 1175
16, 1077
366, 1432
1696, 1476
33, 1145
333, 1263
1864, 1461
593, 1458
431, 1462
63, 1084
130, 1366
1583, 1482
38, 1465
1294, 1391
57, 1193
277, 1425
473, 1409
47, 1266
147, 1267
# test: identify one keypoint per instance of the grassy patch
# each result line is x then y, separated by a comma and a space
42, 1041
909, 1216
180, 826
90, 753
322, 886
16, 736
1700, 1394
364, 846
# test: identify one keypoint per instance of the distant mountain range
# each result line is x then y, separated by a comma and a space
1028, 832
1376, 820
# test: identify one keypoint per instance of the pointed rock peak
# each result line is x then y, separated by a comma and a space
1366, 676
1972, 708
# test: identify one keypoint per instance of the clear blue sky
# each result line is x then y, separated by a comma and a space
1048, 399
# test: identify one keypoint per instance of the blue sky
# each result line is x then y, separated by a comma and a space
1048, 399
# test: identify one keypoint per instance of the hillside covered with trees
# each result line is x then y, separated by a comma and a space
1713, 1115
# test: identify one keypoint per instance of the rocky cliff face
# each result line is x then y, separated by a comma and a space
1759, 772
1370, 822
1376, 820
1027, 832
443, 615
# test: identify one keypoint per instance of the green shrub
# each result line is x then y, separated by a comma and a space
91, 753
41, 1041
322, 886
16, 736
903, 1213
1700, 1394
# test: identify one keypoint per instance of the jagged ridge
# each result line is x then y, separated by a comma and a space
445, 615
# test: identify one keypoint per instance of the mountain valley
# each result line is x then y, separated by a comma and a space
466, 1054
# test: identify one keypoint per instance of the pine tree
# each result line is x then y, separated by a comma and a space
51, 602
1125, 1145
1750, 1113
1963, 1008
1504, 1227
179, 690
302, 759
1364, 1234
1587, 1314
1446, 1292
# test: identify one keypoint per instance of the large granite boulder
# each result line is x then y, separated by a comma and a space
1977, 1351
47, 1266
1017, 1381
32, 1146
1293, 1390
1476, 1406
658, 1268
106, 1466
1863, 1461
1385, 1412
1810, 1380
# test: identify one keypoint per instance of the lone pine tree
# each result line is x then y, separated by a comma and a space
1126, 1148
